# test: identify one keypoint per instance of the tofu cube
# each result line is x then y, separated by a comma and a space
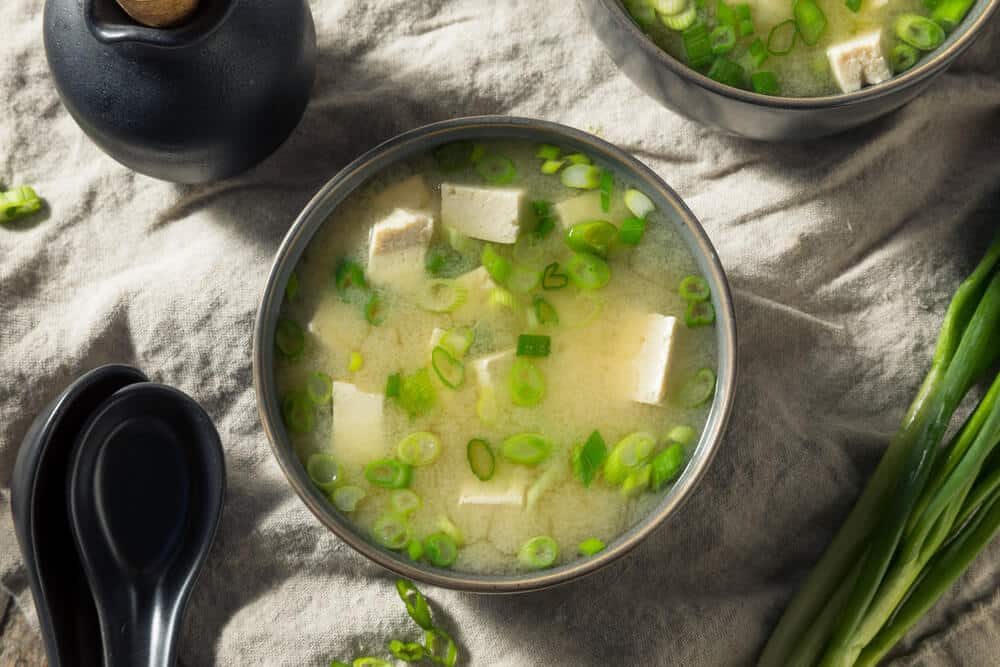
411, 193
581, 208
652, 363
859, 61
475, 492
397, 248
489, 214
357, 431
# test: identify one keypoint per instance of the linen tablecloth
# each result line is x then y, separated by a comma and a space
842, 254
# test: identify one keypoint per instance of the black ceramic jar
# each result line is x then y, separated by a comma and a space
194, 103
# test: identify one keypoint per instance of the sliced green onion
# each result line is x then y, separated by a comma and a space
695, 288
810, 21
461, 243
578, 158
581, 176
723, 39
454, 156
370, 661
588, 271
482, 461
415, 550
498, 266
552, 166
446, 526
346, 498
350, 282
501, 298
538, 552
419, 449
356, 362
639, 204
903, 57
632, 230
389, 474
949, 13
374, 312
319, 387
404, 502
527, 384
441, 550
486, 406
853, 5
548, 152
552, 279
544, 227
406, 651
726, 14
416, 393
478, 151
699, 389
18, 203
289, 338
637, 481
641, 13
667, 6
440, 647
682, 20
697, 46
594, 237
589, 457
526, 448
292, 288
699, 314
528, 249
457, 341
522, 279
297, 411
667, 466
781, 39
391, 532
684, 435
442, 295
393, 383
545, 312
416, 603
496, 169
531, 345
607, 186
758, 52
449, 370
323, 471
765, 83
590, 546
919, 32
746, 28
435, 262
628, 456
727, 72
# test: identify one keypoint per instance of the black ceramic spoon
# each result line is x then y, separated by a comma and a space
66, 613
145, 492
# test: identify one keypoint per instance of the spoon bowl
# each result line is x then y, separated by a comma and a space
146, 494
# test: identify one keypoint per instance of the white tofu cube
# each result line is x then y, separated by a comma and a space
488, 369
859, 61
581, 208
489, 214
475, 492
397, 248
357, 431
411, 193
652, 363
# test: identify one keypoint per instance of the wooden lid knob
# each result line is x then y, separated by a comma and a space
159, 13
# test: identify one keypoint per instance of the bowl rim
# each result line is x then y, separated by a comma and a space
315, 214
925, 69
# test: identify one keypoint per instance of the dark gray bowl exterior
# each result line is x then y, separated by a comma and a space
417, 142
695, 96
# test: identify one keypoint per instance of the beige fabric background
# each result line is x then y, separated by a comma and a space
842, 254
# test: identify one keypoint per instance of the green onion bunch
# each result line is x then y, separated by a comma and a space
932, 504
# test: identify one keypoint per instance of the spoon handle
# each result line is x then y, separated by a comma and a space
144, 639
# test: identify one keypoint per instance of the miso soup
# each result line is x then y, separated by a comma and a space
497, 357
799, 48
